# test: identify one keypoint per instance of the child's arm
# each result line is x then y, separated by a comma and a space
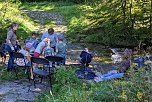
53, 53
28, 58
57, 49
41, 50
56, 38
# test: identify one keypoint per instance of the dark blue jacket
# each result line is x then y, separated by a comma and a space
85, 57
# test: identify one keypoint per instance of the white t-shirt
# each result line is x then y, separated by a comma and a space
40, 45
20, 61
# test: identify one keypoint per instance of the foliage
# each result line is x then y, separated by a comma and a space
122, 22
10, 12
68, 88
71, 13
10, 76
137, 88
74, 1
125, 22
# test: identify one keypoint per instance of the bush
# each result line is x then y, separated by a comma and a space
75, 1
137, 88
10, 13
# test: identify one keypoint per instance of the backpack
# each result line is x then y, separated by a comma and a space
85, 57
86, 74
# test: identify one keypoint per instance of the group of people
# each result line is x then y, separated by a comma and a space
51, 44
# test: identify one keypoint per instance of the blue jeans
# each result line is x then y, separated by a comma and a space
112, 76
11, 58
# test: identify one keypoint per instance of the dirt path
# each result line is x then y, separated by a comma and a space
19, 91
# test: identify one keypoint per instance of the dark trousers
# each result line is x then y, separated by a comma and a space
11, 58
54, 48
62, 62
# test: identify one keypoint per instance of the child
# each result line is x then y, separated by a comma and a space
40, 47
61, 35
48, 51
61, 50
2, 52
85, 57
25, 52
34, 41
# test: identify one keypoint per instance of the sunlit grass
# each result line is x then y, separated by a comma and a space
34, 6
67, 10
68, 87
9, 76
13, 14
105, 60
74, 15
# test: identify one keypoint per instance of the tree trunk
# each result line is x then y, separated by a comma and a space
124, 16
151, 19
124, 11
131, 18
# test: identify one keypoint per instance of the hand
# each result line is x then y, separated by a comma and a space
12, 48
55, 53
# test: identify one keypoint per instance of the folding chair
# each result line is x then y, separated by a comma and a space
26, 67
54, 59
39, 71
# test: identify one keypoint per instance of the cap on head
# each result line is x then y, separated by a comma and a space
29, 45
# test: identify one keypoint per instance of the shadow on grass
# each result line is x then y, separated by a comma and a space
10, 76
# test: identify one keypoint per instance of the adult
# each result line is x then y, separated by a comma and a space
50, 34
11, 44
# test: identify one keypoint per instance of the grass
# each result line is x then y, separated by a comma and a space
73, 15
68, 10
68, 88
10, 76
13, 14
